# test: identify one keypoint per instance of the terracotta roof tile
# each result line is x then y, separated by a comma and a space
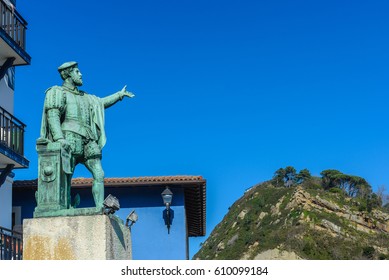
123, 180
145, 179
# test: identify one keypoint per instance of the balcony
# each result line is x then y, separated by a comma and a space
11, 244
11, 141
12, 35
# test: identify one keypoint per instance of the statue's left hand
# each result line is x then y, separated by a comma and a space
124, 92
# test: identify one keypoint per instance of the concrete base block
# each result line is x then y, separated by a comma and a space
96, 237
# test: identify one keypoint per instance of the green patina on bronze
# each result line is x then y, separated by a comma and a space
72, 132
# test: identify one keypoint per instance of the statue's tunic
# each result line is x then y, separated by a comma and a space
77, 117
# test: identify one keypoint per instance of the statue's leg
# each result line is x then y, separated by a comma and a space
94, 166
76, 147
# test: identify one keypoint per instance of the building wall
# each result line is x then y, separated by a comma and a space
6, 204
6, 92
150, 238
7, 102
25, 199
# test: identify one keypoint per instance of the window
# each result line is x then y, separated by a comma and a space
10, 78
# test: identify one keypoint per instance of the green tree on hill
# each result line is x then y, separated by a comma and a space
353, 186
330, 178
288, 177
303, 176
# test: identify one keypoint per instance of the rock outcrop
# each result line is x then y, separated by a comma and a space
297, 223
374, 222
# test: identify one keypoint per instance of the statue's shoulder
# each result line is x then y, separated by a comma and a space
90, 96
55, 97
54, 89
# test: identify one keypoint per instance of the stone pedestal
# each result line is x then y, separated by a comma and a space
97, 237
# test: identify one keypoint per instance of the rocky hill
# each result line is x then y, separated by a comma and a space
300, 222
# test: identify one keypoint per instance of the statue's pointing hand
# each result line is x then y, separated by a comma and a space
124, 92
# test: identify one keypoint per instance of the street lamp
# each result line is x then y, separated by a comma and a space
167, 197
132, 217
111, 204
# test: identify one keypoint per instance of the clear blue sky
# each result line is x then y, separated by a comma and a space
230, 90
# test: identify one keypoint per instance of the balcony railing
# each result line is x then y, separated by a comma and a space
13, 23
11, 132
11, 245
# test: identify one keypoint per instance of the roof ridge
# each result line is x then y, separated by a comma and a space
83, 180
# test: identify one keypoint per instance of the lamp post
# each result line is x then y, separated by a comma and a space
111, 204
132, 217
167, 197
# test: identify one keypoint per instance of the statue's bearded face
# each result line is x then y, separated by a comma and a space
76, 76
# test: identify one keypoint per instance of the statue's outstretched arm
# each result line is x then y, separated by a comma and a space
113, 98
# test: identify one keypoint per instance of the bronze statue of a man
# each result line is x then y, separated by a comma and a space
76, 120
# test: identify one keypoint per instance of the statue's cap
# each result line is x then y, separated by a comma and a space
67, 65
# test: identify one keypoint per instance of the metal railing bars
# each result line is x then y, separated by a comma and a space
11, 132
13, 23
11, 245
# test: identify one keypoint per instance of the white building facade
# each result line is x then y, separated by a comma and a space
12, 54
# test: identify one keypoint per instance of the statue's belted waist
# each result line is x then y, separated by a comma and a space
79, 128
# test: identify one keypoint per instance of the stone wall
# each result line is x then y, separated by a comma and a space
96, 237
